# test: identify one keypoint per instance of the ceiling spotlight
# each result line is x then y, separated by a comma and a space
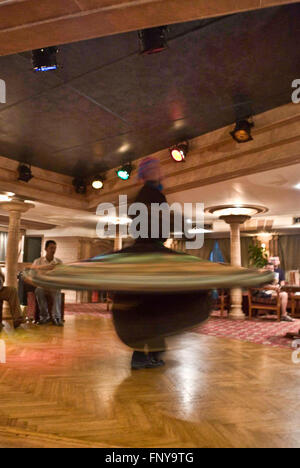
153, 40
242, 131
80, 185
179, 152
45, 59
98, 183
25, 174
125, 171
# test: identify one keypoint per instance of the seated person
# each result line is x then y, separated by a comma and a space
278, 271
48, 263
10, 294
271, 292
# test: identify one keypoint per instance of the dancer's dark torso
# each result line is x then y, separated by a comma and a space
145, 319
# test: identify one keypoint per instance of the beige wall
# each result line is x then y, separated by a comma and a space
101, 246
67, 248
71, 249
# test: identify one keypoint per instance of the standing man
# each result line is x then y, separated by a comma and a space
48, 263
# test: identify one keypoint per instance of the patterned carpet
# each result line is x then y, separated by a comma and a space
87, 309
262, 331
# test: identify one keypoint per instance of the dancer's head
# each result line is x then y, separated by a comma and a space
149, 169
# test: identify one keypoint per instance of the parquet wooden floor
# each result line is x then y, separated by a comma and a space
73, 387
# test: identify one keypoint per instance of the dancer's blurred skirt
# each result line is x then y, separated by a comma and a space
157, 292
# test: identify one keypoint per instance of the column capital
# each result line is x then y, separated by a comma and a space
16, 206
235, 219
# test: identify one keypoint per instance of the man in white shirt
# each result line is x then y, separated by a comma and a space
48, 263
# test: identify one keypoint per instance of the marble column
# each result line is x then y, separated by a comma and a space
15, 208
235, 221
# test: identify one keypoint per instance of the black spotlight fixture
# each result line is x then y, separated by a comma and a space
153, 40
242, 131
80, 185
125, 171
44, 60
179, 152
25, 174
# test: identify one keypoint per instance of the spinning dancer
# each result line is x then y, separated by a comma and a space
142, 320
157, 292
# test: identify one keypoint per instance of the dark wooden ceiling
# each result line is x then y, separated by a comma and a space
31, 24
108, 104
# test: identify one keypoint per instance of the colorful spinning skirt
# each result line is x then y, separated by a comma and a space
156, 292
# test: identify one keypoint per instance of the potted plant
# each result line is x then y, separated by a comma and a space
257, 256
